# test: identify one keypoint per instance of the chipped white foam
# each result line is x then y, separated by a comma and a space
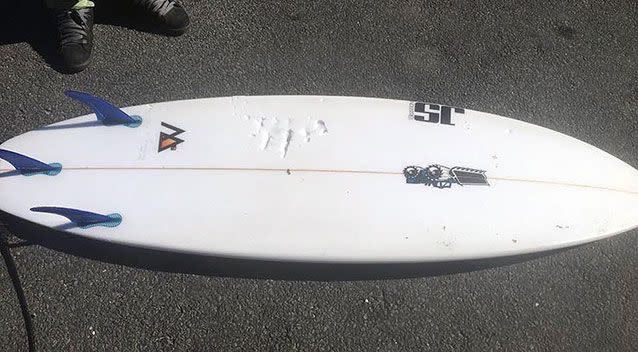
282, 133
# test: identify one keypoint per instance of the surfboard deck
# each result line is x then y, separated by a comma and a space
325, 179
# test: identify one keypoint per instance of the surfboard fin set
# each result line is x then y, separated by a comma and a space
83, 219
28, 166
108, 115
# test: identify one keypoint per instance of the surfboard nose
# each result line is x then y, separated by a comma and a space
628, 176
626, 212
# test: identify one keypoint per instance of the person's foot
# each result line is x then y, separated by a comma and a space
75, 30
169, 15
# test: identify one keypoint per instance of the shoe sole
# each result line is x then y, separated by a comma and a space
177, 31
76, 68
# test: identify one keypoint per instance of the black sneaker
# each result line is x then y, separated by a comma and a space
75, 29
169, 15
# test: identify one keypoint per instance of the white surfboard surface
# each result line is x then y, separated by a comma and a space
325, 179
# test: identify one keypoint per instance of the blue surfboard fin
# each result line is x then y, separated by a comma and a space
83, 219
107, 113
28, 166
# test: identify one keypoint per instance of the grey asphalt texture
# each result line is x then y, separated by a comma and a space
571, 66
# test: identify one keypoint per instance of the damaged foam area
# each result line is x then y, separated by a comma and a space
282, 134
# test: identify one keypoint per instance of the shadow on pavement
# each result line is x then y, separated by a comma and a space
156, 260
30, 21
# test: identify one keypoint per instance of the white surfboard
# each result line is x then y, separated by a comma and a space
322, 179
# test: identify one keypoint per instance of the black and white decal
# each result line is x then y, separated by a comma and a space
434, 113
439, 176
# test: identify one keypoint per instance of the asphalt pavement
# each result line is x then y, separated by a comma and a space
571, 66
